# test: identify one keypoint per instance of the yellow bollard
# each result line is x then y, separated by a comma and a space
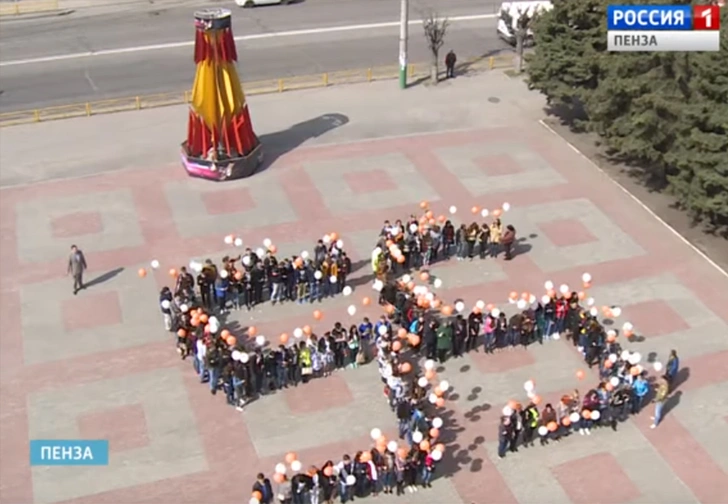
36, 115
138, 103
369, 74
280, 85
491, 63
17, 8
326, 79
411, 70
88, 109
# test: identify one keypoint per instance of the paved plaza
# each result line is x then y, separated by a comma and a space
99, 365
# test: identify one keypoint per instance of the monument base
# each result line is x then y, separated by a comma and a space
222, 169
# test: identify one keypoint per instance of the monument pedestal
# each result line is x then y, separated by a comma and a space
222, 169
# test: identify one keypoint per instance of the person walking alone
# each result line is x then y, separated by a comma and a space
450, 61
663, 390
76, 267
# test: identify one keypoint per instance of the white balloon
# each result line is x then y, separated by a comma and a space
574, 417
507, 411
484, 213
326, 239
613, 358
543, 430
417, 437
593, 312
260, 251
436, 455
545, 299
437, 422
244, 357
459, 306
444, 385
595, 415
298, 332
564, 289
351, 310
184, 308
453, 209
590, 301
318, 275
333, 279
378, 285
376, 251
430, 296
480, 304
556, 336
382, 330
635, 358
531, 299
429, 364
235, 355
616, 312
246, 260
339, 244
347, 291
281, 468
548, 285
305, 254
529, 386
506, 207
392, 446
351, 480
422, 381
213, 321
413, 228
155, 264
224, 274
406, 279
238, 242
296, 466
611, 332
614, 381
627, 326
625, 355
586, 278
521, 304
657, 366
229, 239
260, 340
166, 304
375, 434
253, 500
495, 312
432, 398
437, 283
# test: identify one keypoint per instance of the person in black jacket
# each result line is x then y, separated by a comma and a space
262, 485
450, 61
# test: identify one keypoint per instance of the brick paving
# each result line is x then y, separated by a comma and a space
99, 364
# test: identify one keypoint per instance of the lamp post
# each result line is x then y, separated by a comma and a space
403, 36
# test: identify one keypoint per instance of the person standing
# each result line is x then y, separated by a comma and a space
76, 267
663, 389
504, 436
672, 368
450, 61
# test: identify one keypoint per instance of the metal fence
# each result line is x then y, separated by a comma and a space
88, 109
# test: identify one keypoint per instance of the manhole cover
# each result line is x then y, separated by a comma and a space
493, 99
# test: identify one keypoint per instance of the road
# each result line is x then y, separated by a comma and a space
46, 62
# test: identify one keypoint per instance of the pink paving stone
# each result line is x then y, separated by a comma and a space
585, 480
125, 427
319, 395
228, 201
89, 310
504, 361
77, 224
369, 181
495, 166
567, 232
654, 318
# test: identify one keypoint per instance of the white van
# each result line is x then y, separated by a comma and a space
508, 33
255, 3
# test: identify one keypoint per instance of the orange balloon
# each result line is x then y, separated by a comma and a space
402, 333
298, 262
536, 400
224, 333
284, 338
611, 338
429, 214
424, 205
238, 275
405, 367
586, 285
389, 244
400, 259
525, 296
425, 445
142, 272
441, 219
580, 374
414, 340
430, 374
552, 426
273, 249
424, 276
231, 340
204, 318
334, 236
434, 433
257, 495
438, 392
513, 404
634, 371
307, 330
497, 212
328, 471
366, 301
513, 295
609, 386
447, 310
566, 421
440, 447
581, 296
389, 309
318, 315
475, 210
365, 456
382, 440
489, 307
252, 331
195, 322
608, 364
586, 414
291, 457
396, 346
181, 333
278, 478
173, 272
440, 402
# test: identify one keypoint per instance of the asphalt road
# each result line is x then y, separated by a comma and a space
56, 81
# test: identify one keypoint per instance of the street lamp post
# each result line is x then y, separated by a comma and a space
403, 36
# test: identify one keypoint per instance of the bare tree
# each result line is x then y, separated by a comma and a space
521, 26
435, 30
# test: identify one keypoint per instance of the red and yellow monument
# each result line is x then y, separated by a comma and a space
221, 143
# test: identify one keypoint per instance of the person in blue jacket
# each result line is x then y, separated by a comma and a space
640, 389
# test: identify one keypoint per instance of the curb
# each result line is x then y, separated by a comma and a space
9, 18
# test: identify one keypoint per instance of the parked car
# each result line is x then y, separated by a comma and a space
256, 3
